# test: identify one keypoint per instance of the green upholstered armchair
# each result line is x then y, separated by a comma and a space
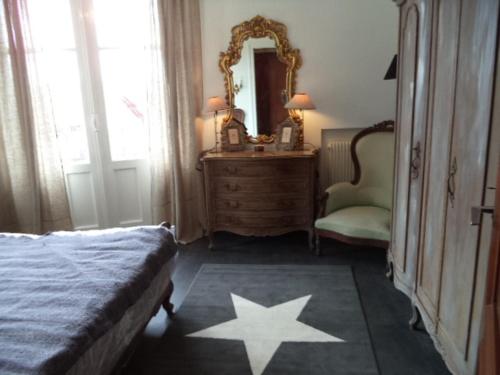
359, 212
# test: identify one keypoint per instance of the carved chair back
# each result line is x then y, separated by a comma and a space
372, 151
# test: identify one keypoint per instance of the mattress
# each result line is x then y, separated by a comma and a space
62, 293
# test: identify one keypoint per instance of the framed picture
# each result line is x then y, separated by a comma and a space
233, 136
287, 134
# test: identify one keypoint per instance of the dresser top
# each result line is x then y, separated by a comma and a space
259, 155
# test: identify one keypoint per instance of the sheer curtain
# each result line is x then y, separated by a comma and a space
33, 196
177, 193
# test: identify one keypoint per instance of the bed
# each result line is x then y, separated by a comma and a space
73, 302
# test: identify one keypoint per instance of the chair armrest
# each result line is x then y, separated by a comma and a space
340, 195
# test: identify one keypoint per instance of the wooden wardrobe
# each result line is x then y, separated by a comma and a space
446, 141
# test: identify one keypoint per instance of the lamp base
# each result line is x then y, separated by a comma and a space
214, 150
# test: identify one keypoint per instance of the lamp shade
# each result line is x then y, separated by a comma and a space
215, 103
300, 101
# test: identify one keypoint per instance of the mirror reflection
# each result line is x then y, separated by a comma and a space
260, 86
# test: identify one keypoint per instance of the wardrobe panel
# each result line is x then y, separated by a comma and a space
477, 51
439, 128
406, 108
410, 144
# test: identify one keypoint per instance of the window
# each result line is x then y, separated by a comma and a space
96, 70
54, 75
126, 56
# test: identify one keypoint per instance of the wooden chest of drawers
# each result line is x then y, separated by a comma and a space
260, 193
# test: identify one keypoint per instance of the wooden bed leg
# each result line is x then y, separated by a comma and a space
167, 305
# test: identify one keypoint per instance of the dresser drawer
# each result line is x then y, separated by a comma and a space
246, 185
260, 193
261, 220
261, 203
281, 168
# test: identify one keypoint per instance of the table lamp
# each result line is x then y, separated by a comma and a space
214, 105
300, 101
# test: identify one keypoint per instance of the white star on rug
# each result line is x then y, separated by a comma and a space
263, 329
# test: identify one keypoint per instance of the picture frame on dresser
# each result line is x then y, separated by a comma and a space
233, 136
287, 135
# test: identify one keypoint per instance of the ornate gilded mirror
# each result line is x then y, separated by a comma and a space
260, 71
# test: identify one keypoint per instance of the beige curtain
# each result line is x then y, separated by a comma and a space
177, 193
32, 191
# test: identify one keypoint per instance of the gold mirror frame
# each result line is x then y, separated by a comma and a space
260, 27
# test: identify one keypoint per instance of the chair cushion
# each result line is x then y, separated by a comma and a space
358, 221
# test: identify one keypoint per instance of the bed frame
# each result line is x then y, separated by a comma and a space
129, 352
164, 302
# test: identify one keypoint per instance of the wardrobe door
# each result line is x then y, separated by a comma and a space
414, 45
439, 129
463, 273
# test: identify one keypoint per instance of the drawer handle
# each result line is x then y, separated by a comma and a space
284, 170
231, 220
231, 170
232, 204
232, 187
286, 203
290, 187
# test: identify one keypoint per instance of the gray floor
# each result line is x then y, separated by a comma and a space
398, 350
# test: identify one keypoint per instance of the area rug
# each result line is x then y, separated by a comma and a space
256, 319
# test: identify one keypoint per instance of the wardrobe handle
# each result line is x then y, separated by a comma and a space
477, 211
451, 181
231, 170
415, 162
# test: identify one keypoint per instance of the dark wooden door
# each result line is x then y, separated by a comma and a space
270, 80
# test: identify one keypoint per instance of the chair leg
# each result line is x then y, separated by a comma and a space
415, 317
390, 271
310, 239
318, 247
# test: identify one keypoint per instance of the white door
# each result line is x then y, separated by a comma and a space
99, 91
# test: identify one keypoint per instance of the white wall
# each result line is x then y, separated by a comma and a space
346, 47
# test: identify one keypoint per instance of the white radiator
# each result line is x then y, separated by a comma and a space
339, 166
